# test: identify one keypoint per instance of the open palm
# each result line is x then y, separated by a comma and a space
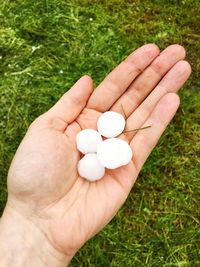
43, 182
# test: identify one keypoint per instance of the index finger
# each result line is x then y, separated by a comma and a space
118, 81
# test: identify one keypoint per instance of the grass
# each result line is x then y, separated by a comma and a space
44, 47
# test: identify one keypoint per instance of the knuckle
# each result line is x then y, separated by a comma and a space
76, 100
157, 67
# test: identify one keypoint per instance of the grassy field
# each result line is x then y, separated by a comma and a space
45, 46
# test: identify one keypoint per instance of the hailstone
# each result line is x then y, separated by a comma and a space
88, 140
110, 124
113, 153
90, 168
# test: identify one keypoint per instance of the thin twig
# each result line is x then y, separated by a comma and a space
123, 111
137, 129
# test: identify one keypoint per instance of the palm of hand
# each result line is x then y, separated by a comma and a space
70, 203
43, 181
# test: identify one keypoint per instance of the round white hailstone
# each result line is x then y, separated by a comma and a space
90, 168
88, 140
113, 153
110, 124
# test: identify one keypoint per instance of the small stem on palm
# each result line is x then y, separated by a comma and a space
137, 129
123, 111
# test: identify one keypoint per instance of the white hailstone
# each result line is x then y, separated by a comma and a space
90, 168
113, 153
88, 140
110, 124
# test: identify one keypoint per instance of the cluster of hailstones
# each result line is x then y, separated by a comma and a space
99, 154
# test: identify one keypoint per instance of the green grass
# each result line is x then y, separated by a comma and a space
44, 47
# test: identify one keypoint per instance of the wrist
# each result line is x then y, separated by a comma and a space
23, 244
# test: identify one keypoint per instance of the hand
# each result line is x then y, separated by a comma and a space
44, 188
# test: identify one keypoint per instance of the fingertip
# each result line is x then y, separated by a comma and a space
87, 77
152, 50
89, 81
152, 46
175, 99
85, 82
147, 52
179, 49
167, 107
170, 99
182, 70
186, 67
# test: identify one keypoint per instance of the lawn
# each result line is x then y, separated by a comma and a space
45, 46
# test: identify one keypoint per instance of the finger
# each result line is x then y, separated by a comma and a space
71, 103
145, 83
144, 141
114, 85
172, 82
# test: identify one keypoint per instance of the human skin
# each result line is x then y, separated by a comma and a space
51, 211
